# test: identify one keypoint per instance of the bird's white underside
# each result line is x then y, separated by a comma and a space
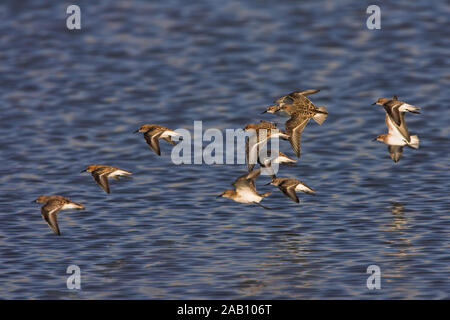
247, 196
302, 187
69, 206
118, 173
169, 133
394, 137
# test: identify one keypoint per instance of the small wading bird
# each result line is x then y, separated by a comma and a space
254, 144
300, 109
297, 101
281, 158
101, 173
154, 132
52, 205
263, 124
288, 186
245, 190
398, 135
297, 96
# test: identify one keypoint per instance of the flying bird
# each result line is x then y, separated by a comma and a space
280, 158
300, 109
293, 101
154, 132
398, 135
289, 185
245, 190
101, 173
254, 144
52, 205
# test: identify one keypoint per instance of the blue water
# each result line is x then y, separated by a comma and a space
73, 98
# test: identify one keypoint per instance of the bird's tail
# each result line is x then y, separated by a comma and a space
414, 142
303, 187
169, 139
321, 115
73, 205
409, 108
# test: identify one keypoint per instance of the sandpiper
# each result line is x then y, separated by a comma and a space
298, 121
289, 185
300, 109
245, 190
398, 134
101, 173
263, 124
395, 114
254, 144
297, 102
154, 132
394, 107
279, 158
396, 140
51, 207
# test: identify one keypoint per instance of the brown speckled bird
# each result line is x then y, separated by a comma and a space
101, 173
154, 132
289, 185
52, 205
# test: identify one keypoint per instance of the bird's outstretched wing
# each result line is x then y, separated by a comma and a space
151, 137
246, 182
250, 166
392, 110
49, 212
296, 96
101, 177
252, 151
308, 92
289, 190
294, 128
395, 152
394, 128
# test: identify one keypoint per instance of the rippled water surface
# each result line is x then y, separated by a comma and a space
72, 98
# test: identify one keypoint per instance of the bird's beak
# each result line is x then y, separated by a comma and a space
83, 171
268, 183
374, 139
264, 112
374, 103
219, 196
136, 131
34, 201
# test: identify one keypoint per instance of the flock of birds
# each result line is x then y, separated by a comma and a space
398, 135
298, 108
